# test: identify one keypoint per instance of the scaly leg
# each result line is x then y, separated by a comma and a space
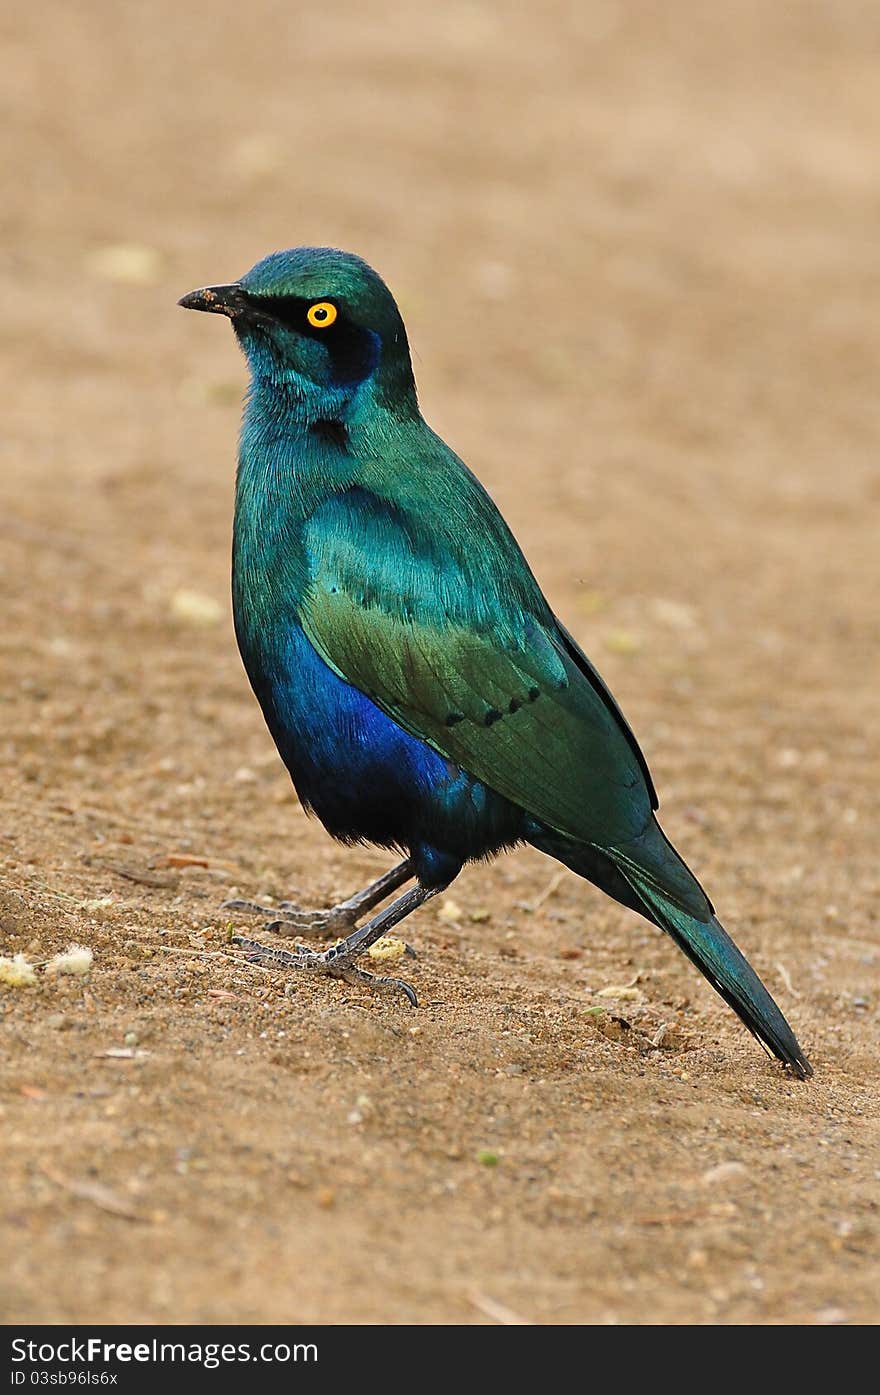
335, 921
339, 961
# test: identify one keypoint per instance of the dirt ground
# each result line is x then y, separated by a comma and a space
636, 247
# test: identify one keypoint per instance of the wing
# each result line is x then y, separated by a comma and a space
446, 630
595, 678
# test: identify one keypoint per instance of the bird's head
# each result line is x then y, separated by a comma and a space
320, 324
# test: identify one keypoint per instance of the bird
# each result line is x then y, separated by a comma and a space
420, 690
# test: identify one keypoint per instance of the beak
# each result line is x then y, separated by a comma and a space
218, 300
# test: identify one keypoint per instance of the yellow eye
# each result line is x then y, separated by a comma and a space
322, 315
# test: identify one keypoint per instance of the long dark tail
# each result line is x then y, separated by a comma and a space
707, 944
649, 876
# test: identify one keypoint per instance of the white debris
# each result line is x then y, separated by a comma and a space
450, 910
17, 972
76, 960
195, 608
127, 262
675, 614
724, 1172
387, 949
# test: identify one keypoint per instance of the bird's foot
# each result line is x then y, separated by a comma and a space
337, 962
287, 918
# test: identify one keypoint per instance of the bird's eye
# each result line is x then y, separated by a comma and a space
322, 315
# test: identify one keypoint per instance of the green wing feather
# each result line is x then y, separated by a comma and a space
464, 653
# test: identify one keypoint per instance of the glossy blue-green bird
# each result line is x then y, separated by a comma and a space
419, 688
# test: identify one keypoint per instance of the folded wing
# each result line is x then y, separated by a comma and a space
464, 655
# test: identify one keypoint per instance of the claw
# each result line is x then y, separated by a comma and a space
331, 962
294, 919
267, 954
297, 912
295, 915
352, 974
338, 961
249, 907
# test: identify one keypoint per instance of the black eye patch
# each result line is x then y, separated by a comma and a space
353, 351
287, 310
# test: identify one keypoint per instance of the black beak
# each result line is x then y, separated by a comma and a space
217, 300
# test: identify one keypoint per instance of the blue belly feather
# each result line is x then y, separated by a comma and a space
365, 777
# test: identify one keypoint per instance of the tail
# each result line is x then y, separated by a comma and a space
649, 876
707, 944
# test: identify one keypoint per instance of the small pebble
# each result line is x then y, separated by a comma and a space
131, 263
387, 950
829, 1316
450, 910
622, 642
724, 1172
195, 608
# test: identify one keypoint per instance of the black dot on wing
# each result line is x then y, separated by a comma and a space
453, 718
514, 705
493, 715
534, 694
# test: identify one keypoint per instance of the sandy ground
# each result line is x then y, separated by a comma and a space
636, 247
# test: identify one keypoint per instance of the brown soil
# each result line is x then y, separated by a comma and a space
637, 250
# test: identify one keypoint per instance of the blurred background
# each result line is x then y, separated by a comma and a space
636, 249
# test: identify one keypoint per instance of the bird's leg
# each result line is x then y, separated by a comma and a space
339, 961
335, 921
